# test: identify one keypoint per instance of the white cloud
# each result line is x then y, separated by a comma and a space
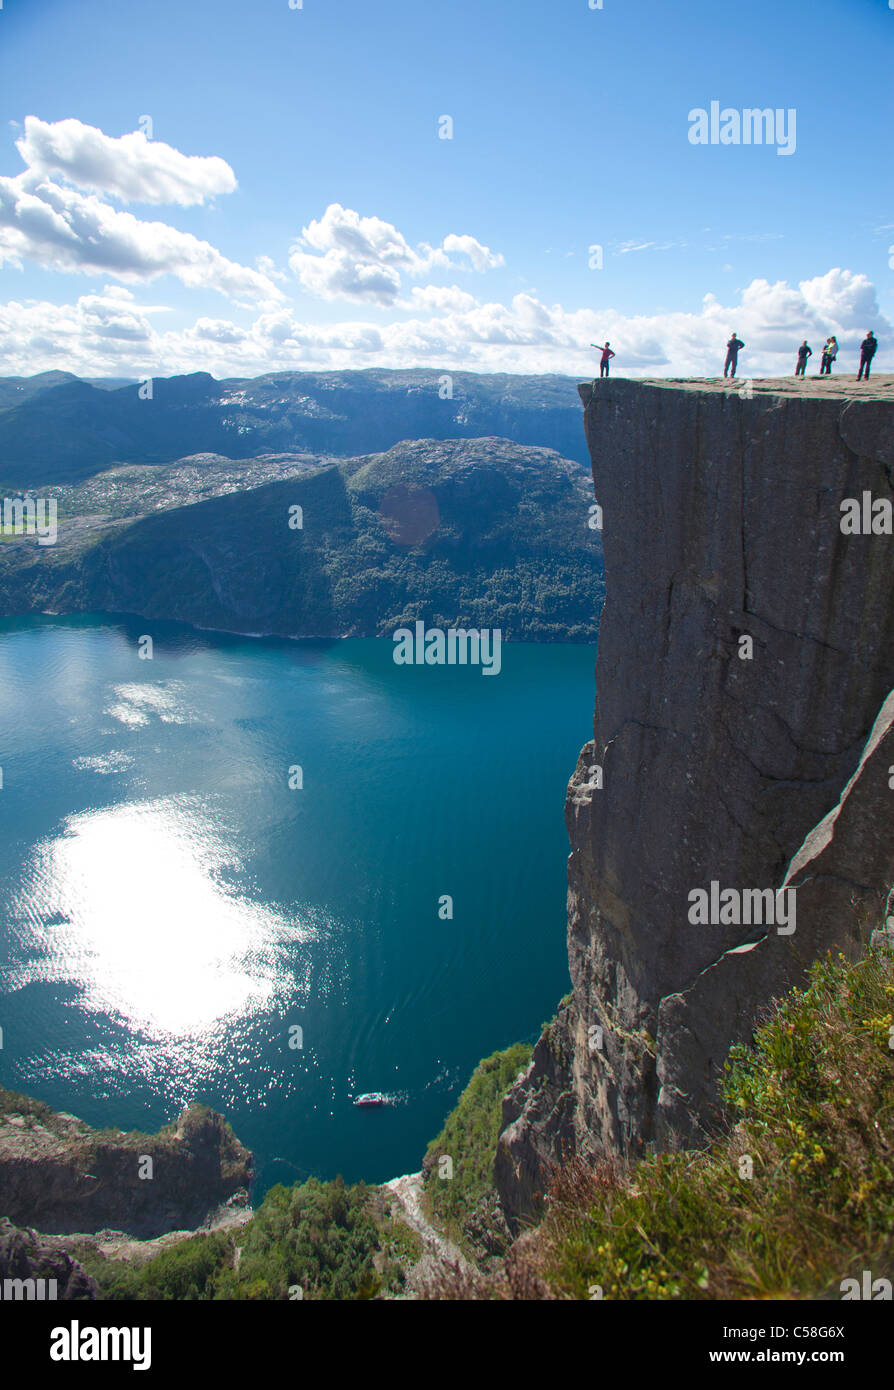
112, 314
97, 335
337, 275
217, 331
849, 298
128, 167
284, 332
267, 266
482, 257
66, 229
62, 229
109, 334
346, 256
363, 238
437, 299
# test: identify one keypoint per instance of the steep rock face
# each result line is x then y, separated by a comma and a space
842, 875
722, 522
60, 1176
538, 1123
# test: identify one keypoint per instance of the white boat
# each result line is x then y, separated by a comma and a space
371, 1098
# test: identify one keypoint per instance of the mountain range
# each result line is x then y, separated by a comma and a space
56, 428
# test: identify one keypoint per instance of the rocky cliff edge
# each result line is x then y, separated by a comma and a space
742, 739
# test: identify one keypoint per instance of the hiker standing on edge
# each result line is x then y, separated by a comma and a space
732, 355
867, 352
803, 353
824, 360
606, 357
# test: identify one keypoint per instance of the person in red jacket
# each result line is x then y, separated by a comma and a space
606, 357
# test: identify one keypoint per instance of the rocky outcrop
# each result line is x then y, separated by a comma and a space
538, 1123
25, 1260
60, 1176
741, 738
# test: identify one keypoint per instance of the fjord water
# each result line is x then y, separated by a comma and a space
171, 911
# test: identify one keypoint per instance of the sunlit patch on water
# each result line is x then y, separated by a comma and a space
104, 763
129, 906
135, 704
170, 909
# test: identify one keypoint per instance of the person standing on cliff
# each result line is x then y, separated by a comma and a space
830, 352
732, 355
803, 353
867, 352
606, 357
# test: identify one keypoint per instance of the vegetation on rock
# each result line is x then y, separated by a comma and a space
469, 1139
795, 1196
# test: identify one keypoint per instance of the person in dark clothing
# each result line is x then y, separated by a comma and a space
824, 360
606, 357
867, 352
732, 355
803, 353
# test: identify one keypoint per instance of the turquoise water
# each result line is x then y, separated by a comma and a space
171, 911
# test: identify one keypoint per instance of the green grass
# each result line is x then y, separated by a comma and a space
319, 1237
469, 1139
188, 1271
14, 1103
316, 1240
810, 1118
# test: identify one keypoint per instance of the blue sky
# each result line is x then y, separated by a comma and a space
295, 206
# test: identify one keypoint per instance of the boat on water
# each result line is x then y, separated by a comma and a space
371, 1098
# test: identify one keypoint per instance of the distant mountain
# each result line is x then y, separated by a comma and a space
482, 533
56, 428
110, 383
15, 390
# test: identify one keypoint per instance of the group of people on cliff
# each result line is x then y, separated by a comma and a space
868, 349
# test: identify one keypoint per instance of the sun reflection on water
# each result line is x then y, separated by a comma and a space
128, 904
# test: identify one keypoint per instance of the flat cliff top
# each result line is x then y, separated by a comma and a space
844, 386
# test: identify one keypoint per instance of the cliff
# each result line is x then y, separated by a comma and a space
59, 1175
752, 765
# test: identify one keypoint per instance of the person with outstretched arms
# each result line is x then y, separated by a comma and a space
607, 355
